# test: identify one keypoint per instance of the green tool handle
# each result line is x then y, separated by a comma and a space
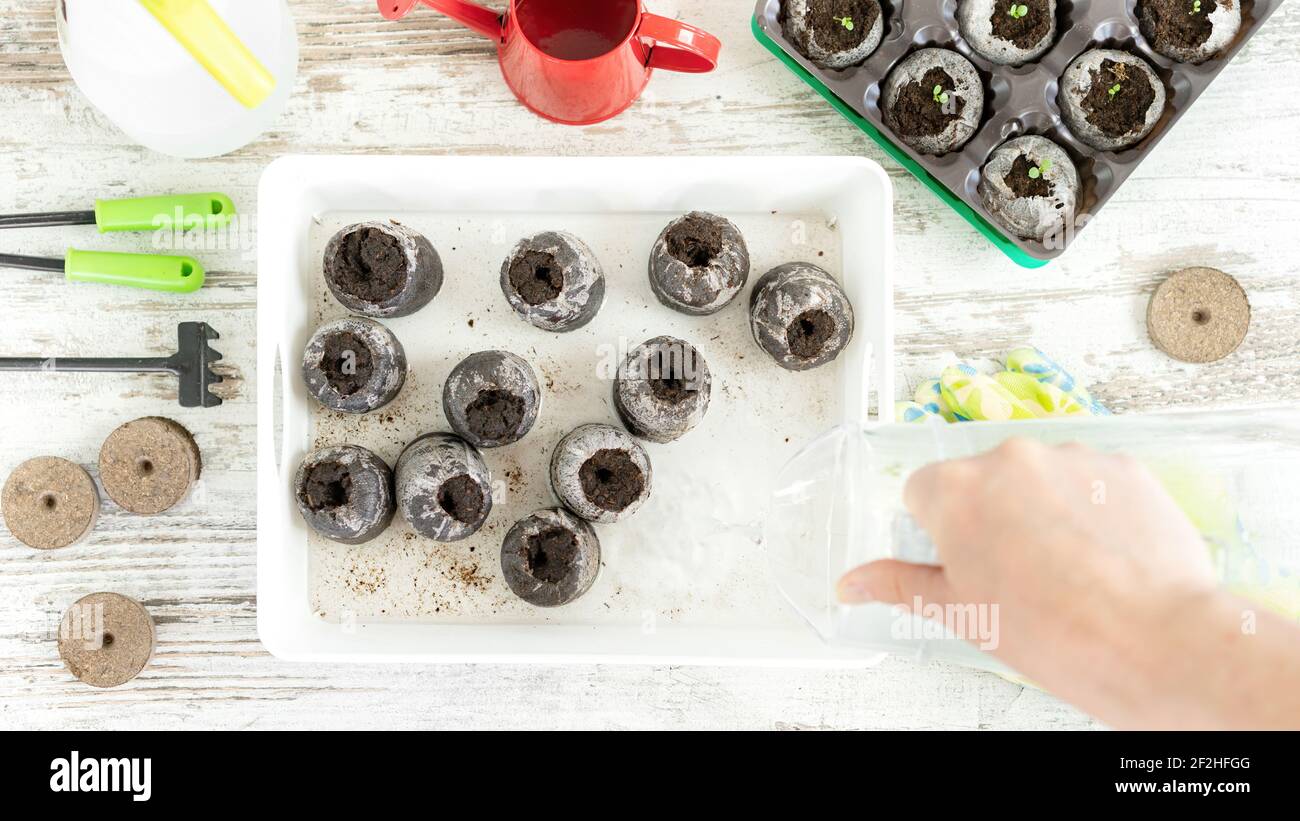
177, 212
154, 272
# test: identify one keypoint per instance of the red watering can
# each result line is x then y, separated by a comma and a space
579, 61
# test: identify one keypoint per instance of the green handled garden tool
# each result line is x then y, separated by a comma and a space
155, 272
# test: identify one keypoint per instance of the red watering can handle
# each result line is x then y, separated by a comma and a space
677, 46
484, 21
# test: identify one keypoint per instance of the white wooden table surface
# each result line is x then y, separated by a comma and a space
1220, 190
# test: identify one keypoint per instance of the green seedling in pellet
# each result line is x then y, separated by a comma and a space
1020, 11
1196, 7
1040, 169
1113, 90
847, 22
940, 96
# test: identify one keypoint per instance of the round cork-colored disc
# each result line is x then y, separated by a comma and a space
149, 465
106, 639
49, 502
1198, 315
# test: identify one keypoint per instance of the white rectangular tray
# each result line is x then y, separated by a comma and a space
682, 581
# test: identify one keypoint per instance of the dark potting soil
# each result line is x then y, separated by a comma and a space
347, 363
1025, 32
916, 112
327, 485
611, 480
672, 390
1023, 185
826, 20
809, 332
371, 266
551, 554
462, 499
695, 241
536, 277
495, 414
1124, 111
1172, 21
672, 376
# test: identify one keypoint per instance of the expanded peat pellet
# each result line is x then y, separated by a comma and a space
106, 639
382, 269
149, 465
49, 503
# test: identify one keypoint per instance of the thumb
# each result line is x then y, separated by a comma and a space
894, 582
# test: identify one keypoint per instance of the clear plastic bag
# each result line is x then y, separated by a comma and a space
838, 504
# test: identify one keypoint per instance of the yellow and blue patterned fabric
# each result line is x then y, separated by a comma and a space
1040, 366
912, 412
1043, 398
974, 395
1033, 386
929, 395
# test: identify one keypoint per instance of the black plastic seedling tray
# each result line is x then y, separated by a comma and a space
1018, 100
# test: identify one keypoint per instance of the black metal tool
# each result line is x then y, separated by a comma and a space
191, 364
48, 219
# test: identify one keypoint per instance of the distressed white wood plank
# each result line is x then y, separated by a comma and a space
1210, 194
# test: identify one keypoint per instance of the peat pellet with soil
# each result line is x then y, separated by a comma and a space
1110, 99
699, 264
444, 488
1031, 187
662, 390
492, 398
149, 465
1190, 31
382, 269
800, 315
553, 281
1198, 315
1006, 32
550, 558
345, 493
600, 473
833, 33
354, 365
933, 100
49, 503
106, 639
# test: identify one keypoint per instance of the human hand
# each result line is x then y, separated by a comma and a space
1084, 554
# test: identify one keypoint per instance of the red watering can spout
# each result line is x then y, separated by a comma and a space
395, 9
484, 21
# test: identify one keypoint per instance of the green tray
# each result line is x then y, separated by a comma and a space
1014, 252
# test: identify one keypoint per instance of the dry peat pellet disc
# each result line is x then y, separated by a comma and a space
49, 502
106, 639
1198, 315
149, 465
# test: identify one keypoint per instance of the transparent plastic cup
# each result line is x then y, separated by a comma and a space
839, 504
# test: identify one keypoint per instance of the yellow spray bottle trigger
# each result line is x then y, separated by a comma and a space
207, 38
